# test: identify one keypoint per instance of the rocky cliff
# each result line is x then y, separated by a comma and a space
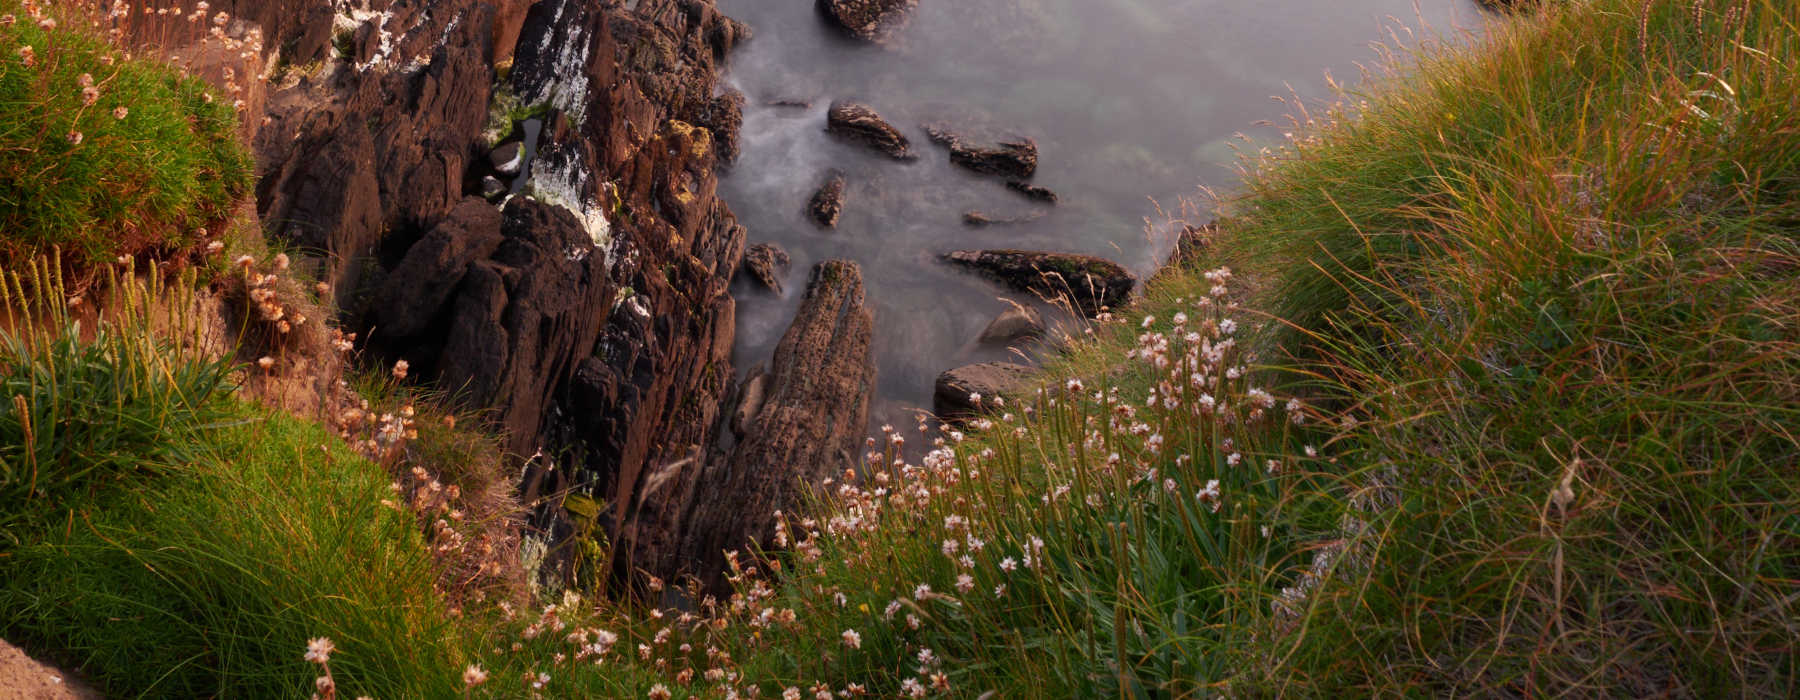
585, 304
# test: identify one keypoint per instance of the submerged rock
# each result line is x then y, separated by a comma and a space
952, 396
1041, 194
868, 20
980, 218
1088, 283
860, 122
808, 426
828, 202
767, 263
1016, 323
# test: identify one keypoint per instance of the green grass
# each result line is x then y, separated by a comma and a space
142, 184
1500, 399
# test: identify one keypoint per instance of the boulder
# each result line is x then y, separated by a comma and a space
809, 425
868, 20
767, 263
751, 393
951, 396
1033, 192
1013, 324
508, 158
828, 202
1089, 284
859, 122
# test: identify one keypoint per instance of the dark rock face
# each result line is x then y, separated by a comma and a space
1089, 283
809, 424
1013, 324
828, 202
950, 396
592, 315
415, 291
859, 122
868, 20
521, 318
767, 263
1033, 192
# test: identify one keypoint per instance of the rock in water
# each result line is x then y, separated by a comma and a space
952, 397
809, 426
767, 263
979, 218
860, 122
1089, 283
868, 20
1017, 158
1042, 194
1013, 324
828, 202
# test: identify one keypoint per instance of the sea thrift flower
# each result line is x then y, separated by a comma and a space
7, 20
268, 363
75, 138
400, 368
659, 692
852, 639
474, 676
318, 650
121, 112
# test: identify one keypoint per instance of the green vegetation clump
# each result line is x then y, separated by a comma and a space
103, 154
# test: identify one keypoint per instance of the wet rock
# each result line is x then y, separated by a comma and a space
980, 218
809, 426
1191, 245
859, 122
828, 202
415, 291
492, 187
1016, 323
1089, 284
951, 396
1017, 158
868, 20
508, 158
767, 263
792, 103
1034, 192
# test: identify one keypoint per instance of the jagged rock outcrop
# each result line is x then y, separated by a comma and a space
1088, 283
809, 424
1013, 157
828, 202
767, 263
868, 20
858, 122
952, 395
592, 315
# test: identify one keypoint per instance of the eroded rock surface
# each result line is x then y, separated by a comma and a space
809, 423
1088, 283
868, 20
767, 263
860, 123
828, 202
1033, 192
